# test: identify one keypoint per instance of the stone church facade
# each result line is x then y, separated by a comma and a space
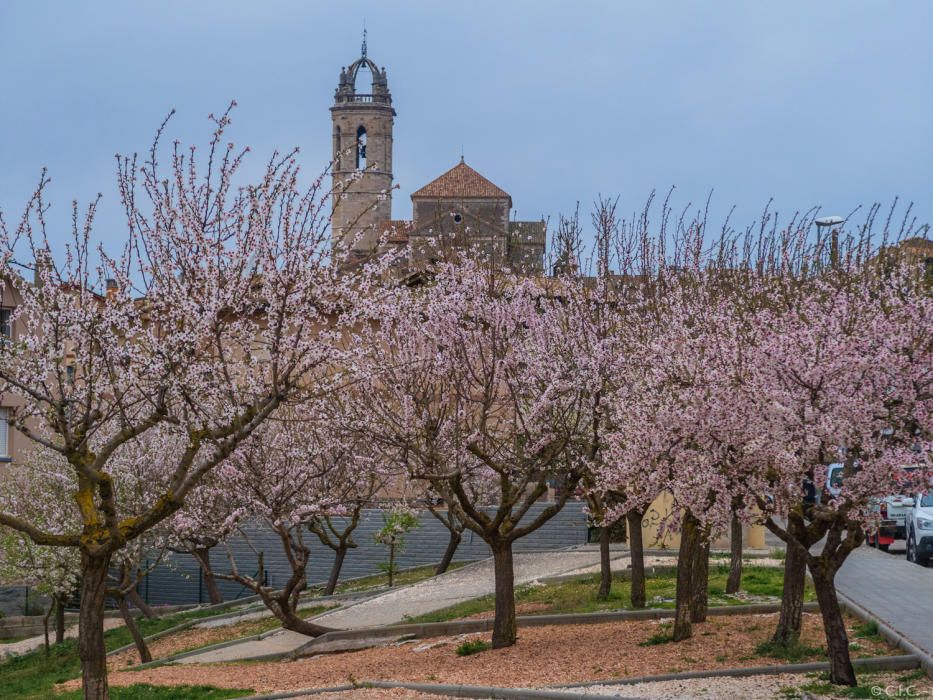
460, 209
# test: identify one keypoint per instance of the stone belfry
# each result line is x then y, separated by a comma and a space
362, 118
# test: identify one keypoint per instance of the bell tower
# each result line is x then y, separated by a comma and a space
362, 117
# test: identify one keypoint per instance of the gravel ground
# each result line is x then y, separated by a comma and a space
784, 686
543, 656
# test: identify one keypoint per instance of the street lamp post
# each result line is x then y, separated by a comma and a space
832, 223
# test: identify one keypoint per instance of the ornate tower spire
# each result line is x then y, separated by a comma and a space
362, 117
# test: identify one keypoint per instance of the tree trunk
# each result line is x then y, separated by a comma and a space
734, 582
795, 578
144, 656
837, 641
448, 557
637, 553
339, 555
504, 631
60, 601
699, 600
133, 596
391, 570
203, 555
605, 565
91, 648
45, 625
291, 621
685, 564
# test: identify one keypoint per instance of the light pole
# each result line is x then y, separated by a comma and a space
830, 222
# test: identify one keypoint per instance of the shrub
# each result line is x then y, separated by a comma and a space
474, 646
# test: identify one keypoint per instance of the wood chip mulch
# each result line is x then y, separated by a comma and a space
542, 656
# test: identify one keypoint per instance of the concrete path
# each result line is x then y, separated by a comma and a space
37, 642
896, 591
395, 606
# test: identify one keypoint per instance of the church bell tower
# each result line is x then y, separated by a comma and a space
362, 117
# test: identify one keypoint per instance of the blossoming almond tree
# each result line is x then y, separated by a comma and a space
38, 490
198, 529
357, 475
466, 390
286, 480
219, 305
842, 374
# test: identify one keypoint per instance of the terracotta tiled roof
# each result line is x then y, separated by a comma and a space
398, 230
461, 181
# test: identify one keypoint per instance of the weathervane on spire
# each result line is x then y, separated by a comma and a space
364, 40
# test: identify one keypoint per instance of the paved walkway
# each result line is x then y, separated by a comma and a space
37, 642
434, 594
886, 585
896, 591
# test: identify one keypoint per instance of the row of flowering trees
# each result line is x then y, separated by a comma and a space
232, 377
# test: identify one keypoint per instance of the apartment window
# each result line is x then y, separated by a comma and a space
4, 435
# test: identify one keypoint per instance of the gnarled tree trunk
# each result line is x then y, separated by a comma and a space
339, 555
734, 582
699, 599
452, 544
605, 564
203, 556
795, 578
144, 655
637, 553
60, 602
133, 596
689, 541
837, 641
91, 649
505, 627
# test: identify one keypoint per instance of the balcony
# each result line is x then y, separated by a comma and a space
364, 99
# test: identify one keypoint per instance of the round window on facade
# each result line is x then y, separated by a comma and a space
458, 217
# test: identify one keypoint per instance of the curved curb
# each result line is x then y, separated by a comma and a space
299, 693
877, 663
456, 691
481, 691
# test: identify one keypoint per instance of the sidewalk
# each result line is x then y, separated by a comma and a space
395, 606
896, 591
37, 642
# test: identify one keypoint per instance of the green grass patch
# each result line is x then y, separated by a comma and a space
792, 652
821, 686
33, 676
868, 630
474, 646
579, 595
662, 636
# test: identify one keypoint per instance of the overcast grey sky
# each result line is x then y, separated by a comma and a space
827, 103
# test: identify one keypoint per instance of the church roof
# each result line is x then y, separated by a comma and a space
461, 181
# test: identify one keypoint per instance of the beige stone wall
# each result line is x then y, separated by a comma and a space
661, 508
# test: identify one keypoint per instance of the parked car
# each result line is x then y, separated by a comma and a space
920, 529
892, 509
